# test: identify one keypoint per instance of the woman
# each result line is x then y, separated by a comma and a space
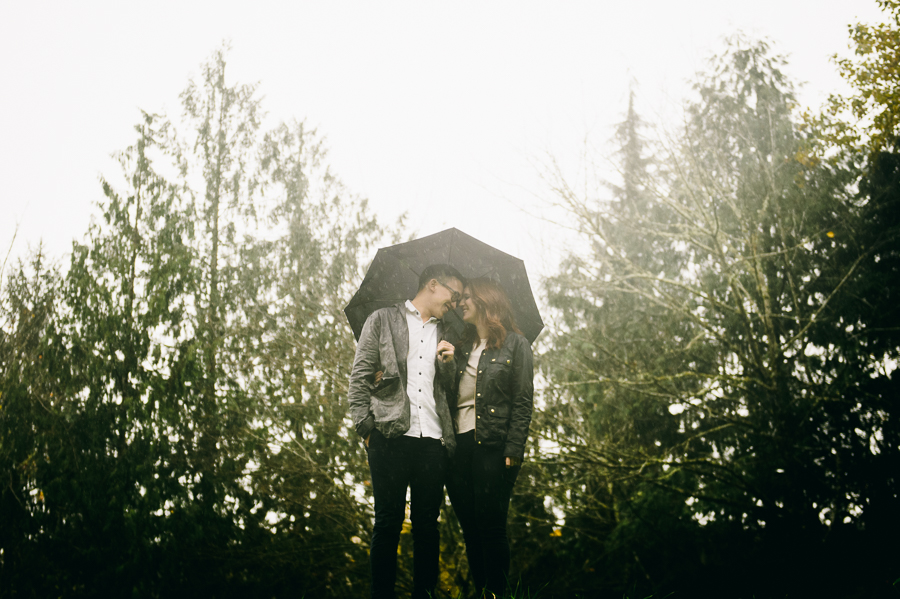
494, 391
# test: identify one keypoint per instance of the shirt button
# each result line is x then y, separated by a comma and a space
480, 371
479, 395
492, 409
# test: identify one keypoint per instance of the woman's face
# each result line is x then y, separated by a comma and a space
469, 311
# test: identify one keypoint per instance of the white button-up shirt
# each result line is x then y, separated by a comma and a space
420, 371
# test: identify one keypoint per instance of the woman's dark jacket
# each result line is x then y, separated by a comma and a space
504, 394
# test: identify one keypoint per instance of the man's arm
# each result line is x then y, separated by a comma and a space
362, 376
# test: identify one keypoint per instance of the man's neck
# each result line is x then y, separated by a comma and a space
420, 306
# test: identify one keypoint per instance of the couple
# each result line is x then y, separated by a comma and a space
433, 414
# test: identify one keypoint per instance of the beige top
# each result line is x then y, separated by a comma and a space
465, 403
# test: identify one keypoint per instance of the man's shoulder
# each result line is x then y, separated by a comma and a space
387, 312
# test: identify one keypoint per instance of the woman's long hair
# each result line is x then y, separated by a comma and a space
494, 307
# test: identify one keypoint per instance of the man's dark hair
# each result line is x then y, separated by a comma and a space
441, 272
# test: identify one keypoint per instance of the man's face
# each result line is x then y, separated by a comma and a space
448, 293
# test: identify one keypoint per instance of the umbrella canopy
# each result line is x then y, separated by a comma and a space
393, 277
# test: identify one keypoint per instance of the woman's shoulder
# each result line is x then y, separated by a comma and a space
514, 339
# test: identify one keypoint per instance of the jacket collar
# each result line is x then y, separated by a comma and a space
405, 307
411, 309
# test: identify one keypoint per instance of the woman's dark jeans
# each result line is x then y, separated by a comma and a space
479, 487
420, 464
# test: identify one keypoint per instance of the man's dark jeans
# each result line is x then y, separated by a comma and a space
420, 464
480, 486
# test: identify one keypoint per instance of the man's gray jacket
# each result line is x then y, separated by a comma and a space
383, 346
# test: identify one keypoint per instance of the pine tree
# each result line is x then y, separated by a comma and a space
172, 415
727, 406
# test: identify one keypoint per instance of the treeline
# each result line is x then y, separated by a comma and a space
719, 409
721, 414
172, 403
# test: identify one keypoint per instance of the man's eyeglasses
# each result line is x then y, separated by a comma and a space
455, 295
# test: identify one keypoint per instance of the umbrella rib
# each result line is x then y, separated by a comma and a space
406, 265
410, 269
452, 246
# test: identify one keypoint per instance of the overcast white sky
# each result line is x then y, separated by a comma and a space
438, 109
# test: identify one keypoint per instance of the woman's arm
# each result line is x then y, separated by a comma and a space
522, 393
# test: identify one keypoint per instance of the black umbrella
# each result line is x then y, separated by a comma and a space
393, 277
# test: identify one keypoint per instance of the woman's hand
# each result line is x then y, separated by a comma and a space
378, 377
510, 462
445, 351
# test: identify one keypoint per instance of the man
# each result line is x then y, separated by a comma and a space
405, 422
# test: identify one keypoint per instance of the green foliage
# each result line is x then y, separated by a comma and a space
874, 75
708, 396
171, 416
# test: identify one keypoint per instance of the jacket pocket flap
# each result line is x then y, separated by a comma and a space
501, 411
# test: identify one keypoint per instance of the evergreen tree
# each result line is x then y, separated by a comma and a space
171, 405
33, 420
726, 405
604, 410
